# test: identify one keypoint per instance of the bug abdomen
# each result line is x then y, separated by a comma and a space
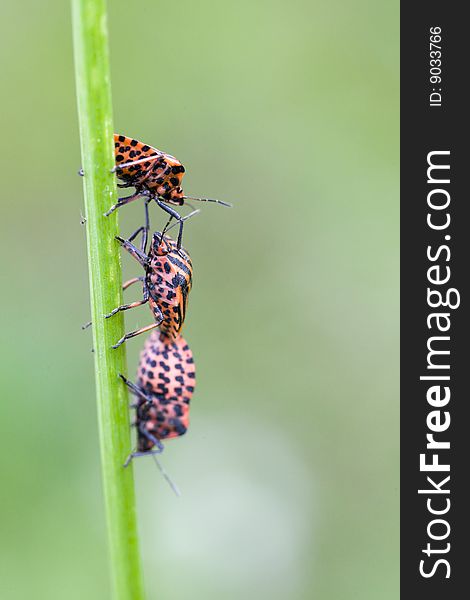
167, 374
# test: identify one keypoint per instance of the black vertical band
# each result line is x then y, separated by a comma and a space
435, 271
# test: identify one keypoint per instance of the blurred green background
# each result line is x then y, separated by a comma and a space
289, 472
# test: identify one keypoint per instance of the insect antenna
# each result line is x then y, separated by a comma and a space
209, 200
185, 218
168, 226
171, 483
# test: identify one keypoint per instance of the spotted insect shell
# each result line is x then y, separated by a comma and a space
166, 373
161, 175
169, 281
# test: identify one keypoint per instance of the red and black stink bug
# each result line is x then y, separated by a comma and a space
154, 174
166, 285
165, 384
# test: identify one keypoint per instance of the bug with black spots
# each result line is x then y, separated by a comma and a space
166, 285
154, 174
164, 387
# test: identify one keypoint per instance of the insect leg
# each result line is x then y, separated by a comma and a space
136, 233
151, 438
139, 256
157, 313
122, 202
176, 216
159, 447
130, 282
132, 334
124, 287
144, 300
164, 230
144, 229
185, 218
135, 389
137, 454
145, 233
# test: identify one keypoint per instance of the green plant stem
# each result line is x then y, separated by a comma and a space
96, 132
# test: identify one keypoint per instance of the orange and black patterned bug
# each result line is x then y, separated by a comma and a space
166, 285
154, 174
165, 384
